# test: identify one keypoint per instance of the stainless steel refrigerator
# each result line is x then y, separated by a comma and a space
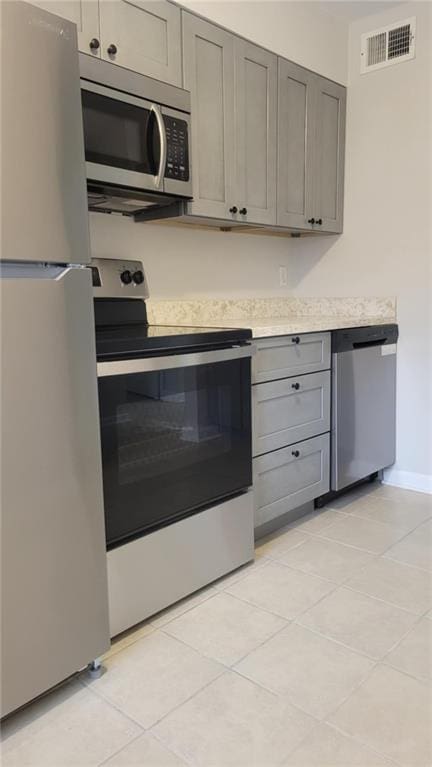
54, 589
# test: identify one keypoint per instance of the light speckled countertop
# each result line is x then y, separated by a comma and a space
275, 316
279, 326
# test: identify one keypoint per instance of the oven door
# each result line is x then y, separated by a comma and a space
176, 436
125, 139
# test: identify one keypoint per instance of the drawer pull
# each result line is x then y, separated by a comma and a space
295, 386
295, 340
296, 453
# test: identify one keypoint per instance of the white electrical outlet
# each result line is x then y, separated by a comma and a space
283, 276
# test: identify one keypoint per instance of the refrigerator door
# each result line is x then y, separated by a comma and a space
54, 586
44, 198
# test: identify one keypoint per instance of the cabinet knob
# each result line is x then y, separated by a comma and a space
295, 386
295, 453
243, 211
112, 49
311, 220
94, 44
295, 340
319, 221
233, 209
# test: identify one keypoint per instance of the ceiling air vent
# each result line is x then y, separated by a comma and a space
388, 45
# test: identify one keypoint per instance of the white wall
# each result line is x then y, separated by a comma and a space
184, 262
386, 248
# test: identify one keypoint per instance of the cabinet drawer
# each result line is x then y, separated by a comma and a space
285, 356
290, 410
284, 481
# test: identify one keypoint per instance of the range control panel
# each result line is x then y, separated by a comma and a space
118, 278
177, 165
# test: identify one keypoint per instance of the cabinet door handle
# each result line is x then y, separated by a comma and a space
319, 221
311, 220
296, 453
295, 340
233, 209
112, 49
295, 386
94, 44
243, 211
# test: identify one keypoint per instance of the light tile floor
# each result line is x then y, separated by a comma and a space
319, 654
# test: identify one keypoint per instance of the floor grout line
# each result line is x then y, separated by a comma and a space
227, 666
361, 742
379, 599
119, 750
177, 752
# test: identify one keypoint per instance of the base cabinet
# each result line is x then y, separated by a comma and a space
291, 390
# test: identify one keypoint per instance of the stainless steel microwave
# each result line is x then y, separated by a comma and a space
137, 139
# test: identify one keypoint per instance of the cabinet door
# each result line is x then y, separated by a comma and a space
83, 13
255, 125
329, 119
208, 71
295, 145
147, 37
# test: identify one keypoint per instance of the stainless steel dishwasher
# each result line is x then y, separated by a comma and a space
363, 436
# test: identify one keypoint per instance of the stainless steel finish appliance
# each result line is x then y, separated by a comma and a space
54, 601
137, 139
363, 403
175, 414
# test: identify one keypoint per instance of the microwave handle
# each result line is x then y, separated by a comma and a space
155, 108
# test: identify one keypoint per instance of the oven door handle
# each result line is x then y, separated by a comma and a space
155, 108
154, 364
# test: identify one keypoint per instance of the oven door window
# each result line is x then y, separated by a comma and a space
120, 134
173, 441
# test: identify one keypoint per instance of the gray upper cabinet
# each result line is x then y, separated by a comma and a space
330, 111
255, 133
311, 146
233, 87
142, 36
295, 145
208, 70
84, 13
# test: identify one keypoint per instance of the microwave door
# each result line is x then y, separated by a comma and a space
123, 137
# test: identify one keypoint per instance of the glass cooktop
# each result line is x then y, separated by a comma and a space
143, 340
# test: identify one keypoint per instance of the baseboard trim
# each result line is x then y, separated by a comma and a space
410, 480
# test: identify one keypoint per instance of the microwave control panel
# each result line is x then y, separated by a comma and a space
177, 165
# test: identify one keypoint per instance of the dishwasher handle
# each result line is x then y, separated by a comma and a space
366, 344
349, 339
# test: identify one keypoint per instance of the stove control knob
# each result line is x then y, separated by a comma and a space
138, 277
126, 277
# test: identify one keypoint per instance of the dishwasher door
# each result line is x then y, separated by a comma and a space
363, 411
